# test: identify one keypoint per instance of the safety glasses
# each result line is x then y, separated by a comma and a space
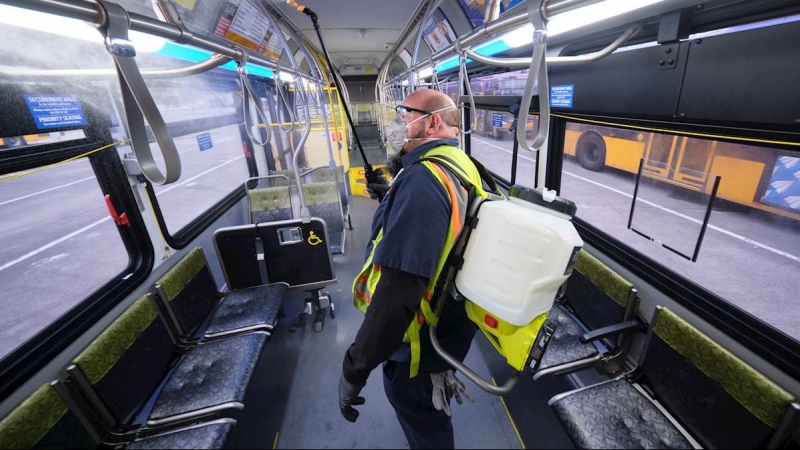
402, 110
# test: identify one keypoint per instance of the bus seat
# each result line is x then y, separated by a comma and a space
673, 400
269, 203
303, 261
201, 312
124, 368
322, 174
322, 200
43, 421
596, 297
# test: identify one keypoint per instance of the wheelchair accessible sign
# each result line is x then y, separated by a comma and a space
55, 111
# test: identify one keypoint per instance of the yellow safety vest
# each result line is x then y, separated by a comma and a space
365, 283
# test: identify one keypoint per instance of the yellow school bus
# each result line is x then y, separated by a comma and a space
758, 177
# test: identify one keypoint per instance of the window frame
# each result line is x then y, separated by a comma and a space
30, 357
766, 341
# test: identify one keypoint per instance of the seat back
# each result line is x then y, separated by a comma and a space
304, 261
43, 421
598, 295
322, 200
322, 174
238, 253
269, 198
720, 399
128, 360
191, 291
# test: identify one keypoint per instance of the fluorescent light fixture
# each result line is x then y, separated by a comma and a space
286, 77
425, 73
76, 29
577, 18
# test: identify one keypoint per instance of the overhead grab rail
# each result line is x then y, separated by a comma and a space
172, 72
537, 70
557, 60
138, 102
249, 95
463, 84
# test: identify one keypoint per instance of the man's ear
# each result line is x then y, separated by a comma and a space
436, 122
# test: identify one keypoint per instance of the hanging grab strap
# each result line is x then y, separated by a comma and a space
463, 83
249, 94
282, 96
138, 102
537, 70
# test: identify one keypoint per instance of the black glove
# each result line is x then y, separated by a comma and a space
348, 396
378, 190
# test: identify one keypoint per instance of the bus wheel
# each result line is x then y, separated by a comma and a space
15, 141
591, 151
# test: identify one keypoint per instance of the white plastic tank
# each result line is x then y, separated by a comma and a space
519, 254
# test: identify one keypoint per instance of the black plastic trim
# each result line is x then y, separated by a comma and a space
188, 233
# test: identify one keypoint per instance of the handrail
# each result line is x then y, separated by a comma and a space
300, 93
172, 72
557, 60
418, 41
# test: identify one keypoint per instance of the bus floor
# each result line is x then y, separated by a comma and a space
292, 399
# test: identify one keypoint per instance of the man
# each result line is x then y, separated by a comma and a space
411, 234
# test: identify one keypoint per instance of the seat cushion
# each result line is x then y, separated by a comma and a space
564, 346
616, 415
211, 436
211, 374
255, 306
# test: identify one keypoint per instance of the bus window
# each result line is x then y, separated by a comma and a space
751, 248
59, 245
203, 115
493, 145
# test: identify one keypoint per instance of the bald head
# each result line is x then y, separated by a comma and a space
439, 125
430, 100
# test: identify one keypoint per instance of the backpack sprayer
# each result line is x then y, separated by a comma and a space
372, 176
507, 266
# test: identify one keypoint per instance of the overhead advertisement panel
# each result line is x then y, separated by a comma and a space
245, 24
475, 11
437, 31
505, 5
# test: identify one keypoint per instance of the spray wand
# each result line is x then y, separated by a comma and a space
372, 176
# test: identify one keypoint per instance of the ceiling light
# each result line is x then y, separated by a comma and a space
72, 28
577, 18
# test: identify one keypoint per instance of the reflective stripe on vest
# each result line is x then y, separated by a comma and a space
367, 280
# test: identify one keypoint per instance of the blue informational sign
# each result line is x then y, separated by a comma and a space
55, 111
505, 5
561, 96
204, 141
497, 119
784, 185
475, 11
